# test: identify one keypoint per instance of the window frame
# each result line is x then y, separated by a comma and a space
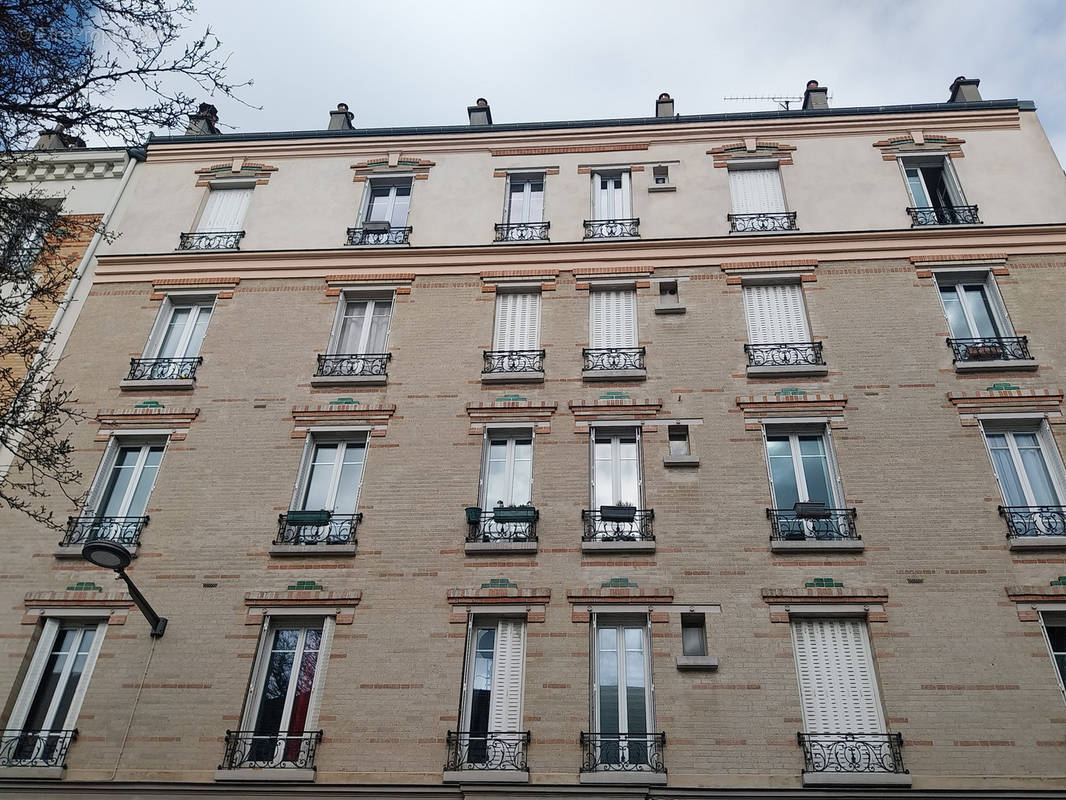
756, 165
505, 291
793, 429
620, 331
1060, 622
1048, 449
951, 179
511, 433
303, 474
171, 303
392, 181
94, 500
224, 186
753, 337
616, 431
625, 190
960, 278
527, 178
357, 296
475, 623
621, 621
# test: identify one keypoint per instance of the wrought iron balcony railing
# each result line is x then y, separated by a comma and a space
504, 524
992, 348
612, 228
785, 354
35, 748
605, 358
762, 223
944, 215
353, 365
503, 361
830, 524
124, 530
394, 235
163, 369
852, 752
211, 240
522, 231
317, 527
618, 524
251, 750
1026, 521
622, 752
493, 750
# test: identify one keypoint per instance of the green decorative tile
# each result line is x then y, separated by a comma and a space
618, 583
306, 586
344, 401
1002, 387
149, 404
499, 583
510, 398
613, 395
823, 583
85, 586
1060, 581
789, 391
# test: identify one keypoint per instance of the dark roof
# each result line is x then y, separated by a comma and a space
504, 127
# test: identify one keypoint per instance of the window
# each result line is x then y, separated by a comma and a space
756, 191
668, 296
331, 475
834, 664
1054, 624
224, 210
1027, 464
678, 438
612, 318
660, 176
611, 195
507, 471
525, 199
493, 679
935, 193
693, 635
805, 486
616, 474
387, 201
623, 714
362, 326
776, 314
46, 711
517, 321
125, 479
973, 306
178, 333
23, 227
283, 699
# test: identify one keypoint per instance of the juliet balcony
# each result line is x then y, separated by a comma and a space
943, 215
841, 759
768, 222
492, 757
991, 353
613, 364
379, 234
34, 754
161, 373
249, 753
211, 240
618, 528
82, 530
612, 228
1035, 527
812, 526
623, 758
785, 358
504, 529
522, 231
513, 366
314, 533
348, 369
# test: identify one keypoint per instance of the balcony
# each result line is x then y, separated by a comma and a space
943, 215
812, 526
623, 758
835, 759
513, 366
991, 353
211, 240
248, 752
522, 231
613, 364
36, 754
161, 373
315, 533
81, 530
771, 222
340, 369
503, 529
623, 528
1035, 527
494, 756
785, 358
383, 235
612, 228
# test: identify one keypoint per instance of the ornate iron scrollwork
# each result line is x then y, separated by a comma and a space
612, 228
622, 752
492, 528
333, 529
211, 240
163, 369
35, 748
498, 361
761, 223
492, 750
604, 358
350, 365
124, 530
601, 528
248, 749
852, 752
522, 231
785, 354
394, 235
944, 215
990, 348
829, 525
1026, 521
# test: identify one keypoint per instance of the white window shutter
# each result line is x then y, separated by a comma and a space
775, 314
225, 210
529, 307
627, 331
625, 198
836, 676
756, 191
508, 674
598, 319
1053, 459
504, 334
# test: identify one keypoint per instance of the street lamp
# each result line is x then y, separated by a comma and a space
112, 555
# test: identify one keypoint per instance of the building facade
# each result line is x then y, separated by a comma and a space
679, 456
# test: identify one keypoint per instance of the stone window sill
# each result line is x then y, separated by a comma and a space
628, 777
349, 380
479, 548
703, 663
272, 775
1038, 542
485, 776
183, 384
512, 377
816, 545
31, 773
669, 309
788, 370
297, 550
997, 365
634, 546
681, 461
614, 374
856, 779
662, 187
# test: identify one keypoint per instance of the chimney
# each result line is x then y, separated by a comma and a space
815, 96
202, 123
56, 139
664, 106
480, 113
341, 119
964, 90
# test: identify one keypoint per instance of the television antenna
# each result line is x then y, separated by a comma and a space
784, 101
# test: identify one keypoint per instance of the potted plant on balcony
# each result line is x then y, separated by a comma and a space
623, 512
473, 514
983, 352
524, 513
810, 509
301, 517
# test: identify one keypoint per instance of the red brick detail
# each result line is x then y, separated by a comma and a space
553, 171
1013, 400
924, 273
932, 143
770, 265
370, 277
499, 173
543, 274
113, 604
464, 600
643, 284
480, 413
236, 167
306, 416
228, 282
725, 153
924, 259
488, 288
1036, 594
733, 281
636, 168
599, 272
227, 295
596, 595
603, 409
836, 595
112, 419
403, 290
759, 407
586, 148
380, 166
344, 602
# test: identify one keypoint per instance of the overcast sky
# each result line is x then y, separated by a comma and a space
422, 62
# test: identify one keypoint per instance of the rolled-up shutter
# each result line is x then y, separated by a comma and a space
225, 210
508, 674
756, 191
517, 321
775, 314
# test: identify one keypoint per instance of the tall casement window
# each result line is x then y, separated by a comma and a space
622, 709
383, 215
45, 715
282, 707
507, 469
225, 209
516, 354
323, 509
612, 206
758, 202
525, 199
779, 338
935, 193
612, 318
616, 472
1031, 476
490, 733
173, 348
977, 319
358, 342
1054, 625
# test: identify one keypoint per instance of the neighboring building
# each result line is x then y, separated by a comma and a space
651, 457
